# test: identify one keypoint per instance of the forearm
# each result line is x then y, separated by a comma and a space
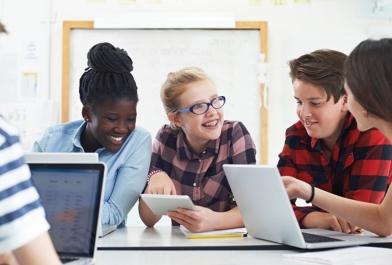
365, 215
371, 217
146, 215
39, 251
227, 220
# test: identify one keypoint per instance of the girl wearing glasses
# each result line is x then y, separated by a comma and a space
188, 154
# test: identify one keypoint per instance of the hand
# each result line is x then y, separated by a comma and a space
296, 188
161, 183
328, 221
195, 221
8, 258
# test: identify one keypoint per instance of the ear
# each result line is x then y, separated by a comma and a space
86, 114
344, 103
173, 117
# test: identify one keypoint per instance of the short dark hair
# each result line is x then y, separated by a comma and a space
322, 68
107, 77
368, 73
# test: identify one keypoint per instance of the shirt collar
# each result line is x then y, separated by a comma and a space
76, 139
184, 152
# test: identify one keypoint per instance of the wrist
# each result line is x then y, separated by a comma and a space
152, 173
311, 196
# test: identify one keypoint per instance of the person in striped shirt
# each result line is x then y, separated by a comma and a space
23, 227
188, 154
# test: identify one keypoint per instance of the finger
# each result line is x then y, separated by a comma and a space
354, 229
167, 190
335, 225
190, 213
179, 218
345, 226
173, 191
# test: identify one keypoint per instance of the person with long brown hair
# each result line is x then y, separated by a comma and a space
325, 148
368, 82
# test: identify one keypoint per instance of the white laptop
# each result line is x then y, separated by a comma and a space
267, 212
37, 157
71, 195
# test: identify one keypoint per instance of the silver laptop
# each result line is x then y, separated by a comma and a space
267, 212
49, 157
36, 157
71, 195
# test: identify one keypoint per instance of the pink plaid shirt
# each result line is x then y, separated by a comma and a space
201, 177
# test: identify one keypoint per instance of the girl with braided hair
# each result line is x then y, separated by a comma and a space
109, 96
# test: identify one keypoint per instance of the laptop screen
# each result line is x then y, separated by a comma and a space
71, 195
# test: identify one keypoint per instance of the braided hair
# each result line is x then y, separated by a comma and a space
107, 77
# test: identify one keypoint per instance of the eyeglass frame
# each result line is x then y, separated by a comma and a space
208, 106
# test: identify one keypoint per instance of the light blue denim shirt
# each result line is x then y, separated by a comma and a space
127, 169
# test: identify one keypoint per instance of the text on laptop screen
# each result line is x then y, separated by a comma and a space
69, 198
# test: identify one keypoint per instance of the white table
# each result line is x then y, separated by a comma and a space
171, 238
168, 245
196, 257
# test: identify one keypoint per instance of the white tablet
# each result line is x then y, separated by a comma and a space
161, 204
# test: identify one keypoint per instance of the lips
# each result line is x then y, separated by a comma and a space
309, 123
210, 124
118, 139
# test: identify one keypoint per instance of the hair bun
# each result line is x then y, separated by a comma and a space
104, 57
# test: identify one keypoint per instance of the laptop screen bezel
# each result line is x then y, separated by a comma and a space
98, 197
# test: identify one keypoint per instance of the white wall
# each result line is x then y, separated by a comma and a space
293, 30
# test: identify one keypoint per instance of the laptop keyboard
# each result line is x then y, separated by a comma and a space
312, 238
65, 260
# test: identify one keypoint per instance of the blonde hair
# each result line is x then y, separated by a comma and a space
176, 84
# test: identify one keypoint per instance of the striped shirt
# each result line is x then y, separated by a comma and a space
359, 167
22, 217
201, 177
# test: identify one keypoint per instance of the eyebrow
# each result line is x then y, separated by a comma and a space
201, 101
309, 98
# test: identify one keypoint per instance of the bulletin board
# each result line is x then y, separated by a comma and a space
235, 59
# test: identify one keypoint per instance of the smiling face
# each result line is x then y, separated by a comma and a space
322, 119
199, 129
109, 125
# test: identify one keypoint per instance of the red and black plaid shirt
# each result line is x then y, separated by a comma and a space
201, 177
359, 167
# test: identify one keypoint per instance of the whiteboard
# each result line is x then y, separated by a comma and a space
229, 57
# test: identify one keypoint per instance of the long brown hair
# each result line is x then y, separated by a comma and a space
368, 73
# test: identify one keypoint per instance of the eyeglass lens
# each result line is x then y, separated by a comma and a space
201, 108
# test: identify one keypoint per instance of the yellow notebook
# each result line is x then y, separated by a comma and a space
227, 233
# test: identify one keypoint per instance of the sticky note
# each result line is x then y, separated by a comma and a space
127, 2
278, 2
301, 1
255, 2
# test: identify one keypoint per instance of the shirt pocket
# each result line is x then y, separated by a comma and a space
315, 178
344, 162
216, 190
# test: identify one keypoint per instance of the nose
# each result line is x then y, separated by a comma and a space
304, 111
121, 127
210, 111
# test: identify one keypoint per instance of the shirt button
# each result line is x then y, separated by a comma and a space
199, 160
194, 184
204, 151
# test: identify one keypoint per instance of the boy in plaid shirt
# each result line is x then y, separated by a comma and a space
325, 148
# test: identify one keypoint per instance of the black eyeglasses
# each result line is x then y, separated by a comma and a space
201, 108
